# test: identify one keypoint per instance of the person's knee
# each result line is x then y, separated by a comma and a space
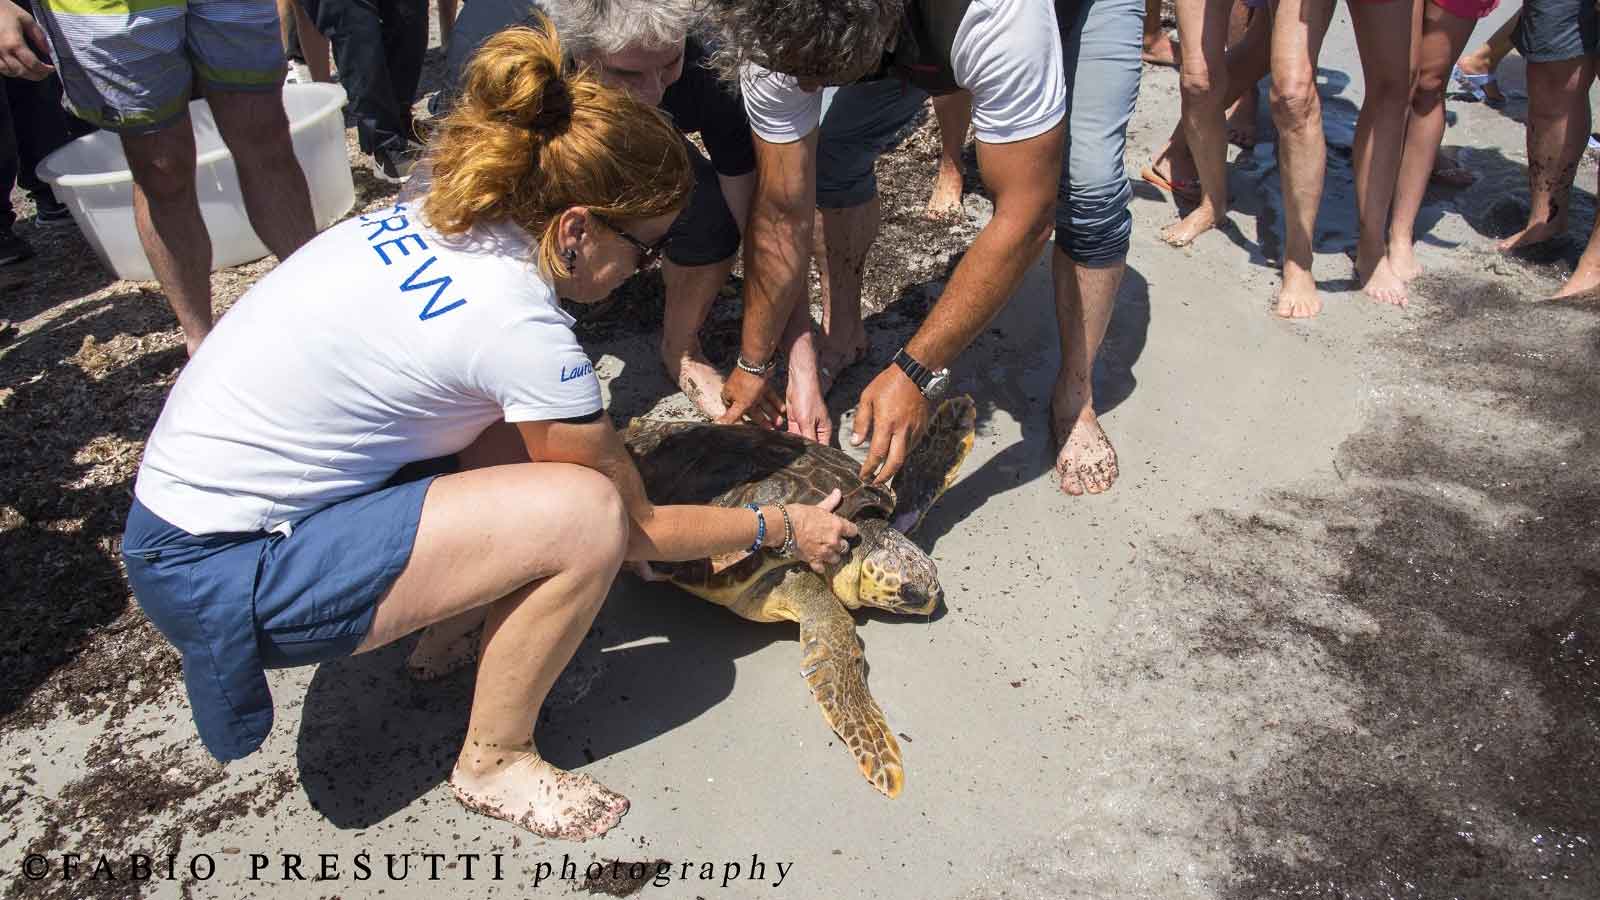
1093, 224
1199, 89
1428, 94
163, 168
1294, 100
599, 517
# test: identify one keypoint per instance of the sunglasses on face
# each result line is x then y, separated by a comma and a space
648, 253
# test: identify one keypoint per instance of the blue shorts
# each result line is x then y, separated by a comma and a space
237, 603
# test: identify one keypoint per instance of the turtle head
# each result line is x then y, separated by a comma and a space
887, 571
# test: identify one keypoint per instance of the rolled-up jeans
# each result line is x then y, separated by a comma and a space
1100, 42
379, 46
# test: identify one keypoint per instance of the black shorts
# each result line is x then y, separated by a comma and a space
1556, 30
706, 231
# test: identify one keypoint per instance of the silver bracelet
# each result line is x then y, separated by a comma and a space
762, 370
786, 550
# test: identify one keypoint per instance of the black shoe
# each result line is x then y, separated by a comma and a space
51, 214
13, 249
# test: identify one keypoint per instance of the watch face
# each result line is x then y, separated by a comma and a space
937, 385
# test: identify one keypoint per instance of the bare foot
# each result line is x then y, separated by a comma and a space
833, 361
1536, 233
520, 787
440, 652
1382, 284
698, 379
945, 204
1085, 460
1402, 258
1183, 232
1584, 282
1160, 49
1298, 298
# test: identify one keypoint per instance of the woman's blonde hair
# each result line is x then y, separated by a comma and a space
528, 140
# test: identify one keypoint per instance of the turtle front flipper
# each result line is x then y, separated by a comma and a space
836, 671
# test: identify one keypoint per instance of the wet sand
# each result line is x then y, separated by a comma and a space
1333, 634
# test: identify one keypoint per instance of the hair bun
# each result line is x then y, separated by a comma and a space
554, 110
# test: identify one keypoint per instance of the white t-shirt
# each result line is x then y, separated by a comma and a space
1006, 52
377, 344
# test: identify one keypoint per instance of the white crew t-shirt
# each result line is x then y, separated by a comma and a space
1006, 52
377, 344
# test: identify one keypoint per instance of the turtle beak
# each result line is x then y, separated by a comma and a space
915, 601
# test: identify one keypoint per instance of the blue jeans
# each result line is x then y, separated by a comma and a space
1100, 49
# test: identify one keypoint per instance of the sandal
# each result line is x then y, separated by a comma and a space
1475, 86
1182, 188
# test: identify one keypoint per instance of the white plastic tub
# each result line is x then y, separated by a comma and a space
90, 175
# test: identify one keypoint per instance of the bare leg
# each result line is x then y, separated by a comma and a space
1159, 49
1585, 278
845, 236
166, 211
561, 542
1558, 129
447, 21
1085, 460
1486, 58
691, 291
1443, 36
955, 116
1241, 113
1202, 31
276, 198
1298, 27
1246, 64
1386, 37
313, 46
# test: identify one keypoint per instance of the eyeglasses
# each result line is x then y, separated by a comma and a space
648, 253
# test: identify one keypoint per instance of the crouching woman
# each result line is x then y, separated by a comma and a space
278, 520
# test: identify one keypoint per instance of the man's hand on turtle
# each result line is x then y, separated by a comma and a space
17, 58
895, 414
748, 396
821, 539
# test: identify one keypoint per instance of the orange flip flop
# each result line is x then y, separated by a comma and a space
1177, 187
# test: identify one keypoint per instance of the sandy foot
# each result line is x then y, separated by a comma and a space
700, 382
945, 203
1298, 298
1402, 258
1086, 462
523, 789
1380, 282
1535, 233
833, 359
1183, 232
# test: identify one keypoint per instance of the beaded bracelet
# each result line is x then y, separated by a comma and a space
787, 549
761, 528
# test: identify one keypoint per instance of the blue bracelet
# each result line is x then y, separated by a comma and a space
761, 528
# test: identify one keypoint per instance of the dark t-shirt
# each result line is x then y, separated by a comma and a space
698, 101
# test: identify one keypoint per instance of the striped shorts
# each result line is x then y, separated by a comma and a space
130, 66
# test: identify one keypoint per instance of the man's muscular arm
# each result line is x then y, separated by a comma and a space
1023, 177
777, 259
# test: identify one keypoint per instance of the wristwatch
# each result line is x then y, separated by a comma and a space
932, 383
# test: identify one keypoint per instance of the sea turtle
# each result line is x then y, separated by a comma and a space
731, 465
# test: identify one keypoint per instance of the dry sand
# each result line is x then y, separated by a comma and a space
1333, 634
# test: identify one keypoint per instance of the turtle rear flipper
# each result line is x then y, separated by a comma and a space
836, 671
932, 466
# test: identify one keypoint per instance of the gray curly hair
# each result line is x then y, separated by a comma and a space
590, 27
835, 41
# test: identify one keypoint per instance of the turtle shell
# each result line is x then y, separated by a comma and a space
731, 465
